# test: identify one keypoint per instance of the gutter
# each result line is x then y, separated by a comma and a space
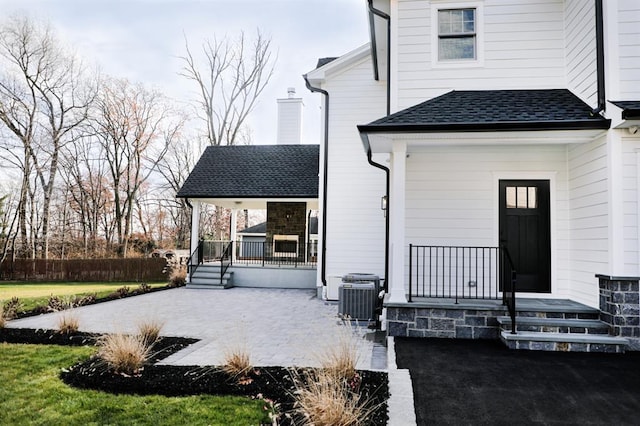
365, 137
503, 126
323, 264
367, 147
373, 11
600, 66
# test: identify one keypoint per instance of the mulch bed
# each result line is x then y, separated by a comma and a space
275, 383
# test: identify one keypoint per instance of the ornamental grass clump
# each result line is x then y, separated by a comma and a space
341, 358
237, 363
149, 331
322, 399
68, 323
178, 277
124, 354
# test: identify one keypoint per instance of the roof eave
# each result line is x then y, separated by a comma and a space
524, 126
631, 114
251, 197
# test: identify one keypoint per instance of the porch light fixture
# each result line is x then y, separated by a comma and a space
383, 204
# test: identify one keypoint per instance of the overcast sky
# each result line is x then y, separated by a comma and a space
141, 39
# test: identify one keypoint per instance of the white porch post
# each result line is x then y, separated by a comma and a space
195, 228
233, 232
397, 222
616, 204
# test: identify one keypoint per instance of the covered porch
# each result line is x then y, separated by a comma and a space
495, 207
279, 179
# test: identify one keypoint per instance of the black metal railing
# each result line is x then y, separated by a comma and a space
195, 259
508, 279
258, 253
226, 259
264, 253
461, 272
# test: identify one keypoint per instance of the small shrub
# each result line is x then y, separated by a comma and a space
178, 277
149, 331
237, 363
85, 300
323, 399
122, 291
144, 288
125, 354
55, 304
68, 323
12, 308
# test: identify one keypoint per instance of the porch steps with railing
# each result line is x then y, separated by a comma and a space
208, 276
560, 330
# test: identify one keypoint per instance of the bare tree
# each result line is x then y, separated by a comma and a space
174, 168
134, 127
43, 97
229, 82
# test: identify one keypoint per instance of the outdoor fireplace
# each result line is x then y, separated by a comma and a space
285, 245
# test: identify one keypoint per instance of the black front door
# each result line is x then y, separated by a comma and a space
526, 232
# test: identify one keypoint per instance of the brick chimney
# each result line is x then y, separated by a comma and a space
290, 119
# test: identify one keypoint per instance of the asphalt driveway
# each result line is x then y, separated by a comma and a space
472, 382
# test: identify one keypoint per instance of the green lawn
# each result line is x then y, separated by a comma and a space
31, 393
34, 294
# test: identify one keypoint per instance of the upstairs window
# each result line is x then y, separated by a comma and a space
457, 36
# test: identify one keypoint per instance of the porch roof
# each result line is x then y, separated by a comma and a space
254, 172
630, 109
493, 110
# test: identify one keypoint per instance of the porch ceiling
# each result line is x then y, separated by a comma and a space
257, 203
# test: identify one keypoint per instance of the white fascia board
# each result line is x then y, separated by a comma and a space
383, 142
255, 203
320, 75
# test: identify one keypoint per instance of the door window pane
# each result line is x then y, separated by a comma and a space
511, 197
522, 197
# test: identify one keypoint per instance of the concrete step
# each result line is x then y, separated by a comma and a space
588, 313
555, 325
209, 286
208, 278
563, 342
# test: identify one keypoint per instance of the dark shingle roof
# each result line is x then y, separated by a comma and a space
630, 109
261, 228
255, 171
491, 110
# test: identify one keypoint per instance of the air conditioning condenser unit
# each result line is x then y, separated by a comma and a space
357, 301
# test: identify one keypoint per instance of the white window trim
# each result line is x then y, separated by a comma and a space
463, 63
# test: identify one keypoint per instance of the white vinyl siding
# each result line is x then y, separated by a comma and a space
588, 218
630, 179
629, 38
523, 48
355, 222
451, 196
580, 50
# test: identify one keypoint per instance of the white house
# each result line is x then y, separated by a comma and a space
466, 130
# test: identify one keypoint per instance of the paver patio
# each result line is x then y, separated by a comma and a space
281, 327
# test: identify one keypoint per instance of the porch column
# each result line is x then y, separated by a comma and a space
616, 202
397, 222
195, 228
233, 232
